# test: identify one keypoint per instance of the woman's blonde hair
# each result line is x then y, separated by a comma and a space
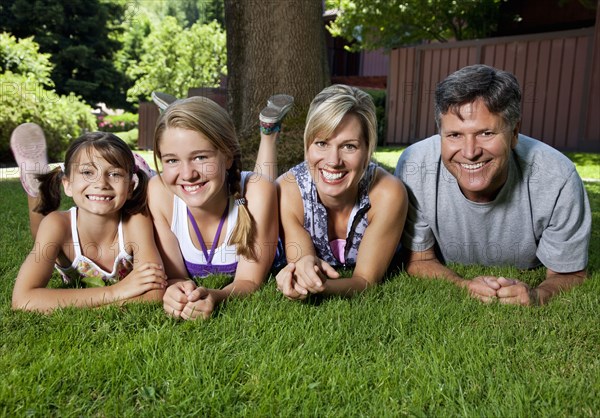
203, 115
329, 107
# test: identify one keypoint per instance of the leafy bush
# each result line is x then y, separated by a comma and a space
118, 123
174, 59
22, 56
62, 118
24, 97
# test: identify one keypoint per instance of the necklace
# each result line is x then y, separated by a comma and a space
208, 256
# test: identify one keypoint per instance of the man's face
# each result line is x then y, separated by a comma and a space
476, 148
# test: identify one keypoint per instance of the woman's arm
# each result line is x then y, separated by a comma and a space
386, 217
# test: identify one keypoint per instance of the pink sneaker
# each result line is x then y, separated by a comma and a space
28, 145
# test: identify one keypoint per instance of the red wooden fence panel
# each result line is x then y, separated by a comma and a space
558, 73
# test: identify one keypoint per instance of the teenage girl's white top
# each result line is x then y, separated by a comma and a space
83, 267
225, 258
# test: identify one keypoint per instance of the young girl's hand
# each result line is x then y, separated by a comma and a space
201, 303
176, 297
144, 278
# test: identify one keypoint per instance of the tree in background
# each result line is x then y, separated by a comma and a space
81, 38
273, 47
173, 59
373, 24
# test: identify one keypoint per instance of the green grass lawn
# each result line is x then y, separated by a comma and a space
408, 347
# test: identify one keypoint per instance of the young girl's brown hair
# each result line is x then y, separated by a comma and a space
115, 151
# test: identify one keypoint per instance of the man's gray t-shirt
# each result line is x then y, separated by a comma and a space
540, 216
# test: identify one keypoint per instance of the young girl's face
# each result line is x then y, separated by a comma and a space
96, 185
193, 168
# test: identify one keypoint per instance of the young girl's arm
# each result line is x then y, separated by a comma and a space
139, 241
160, 202
30, 292
250, 275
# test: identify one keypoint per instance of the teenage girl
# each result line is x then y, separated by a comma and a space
209, 216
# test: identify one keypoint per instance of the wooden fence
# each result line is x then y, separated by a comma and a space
559, 74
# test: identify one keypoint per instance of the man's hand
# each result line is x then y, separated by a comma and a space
483, 288
516, 292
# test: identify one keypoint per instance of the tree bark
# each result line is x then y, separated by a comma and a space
273, 46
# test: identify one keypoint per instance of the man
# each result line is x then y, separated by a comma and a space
481, 193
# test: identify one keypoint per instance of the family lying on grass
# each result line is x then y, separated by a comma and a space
477, 193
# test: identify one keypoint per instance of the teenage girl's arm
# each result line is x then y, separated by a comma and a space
386, 221
261, 196
138, 231
160, 202
30, 292
299, 248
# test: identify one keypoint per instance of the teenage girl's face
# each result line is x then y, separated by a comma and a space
193, 168
338, 162
95, 185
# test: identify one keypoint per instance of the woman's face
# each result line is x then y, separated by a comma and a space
193, 168
337, 163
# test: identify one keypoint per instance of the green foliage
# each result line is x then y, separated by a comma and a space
187, 12
379, 99
373, 24
24, 97
80, 37
174, 59
63, 118
22, 57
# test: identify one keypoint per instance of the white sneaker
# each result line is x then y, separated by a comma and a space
277, 107
28, 145
162, 100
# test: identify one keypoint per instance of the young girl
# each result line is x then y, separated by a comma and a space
105, 243
209, 216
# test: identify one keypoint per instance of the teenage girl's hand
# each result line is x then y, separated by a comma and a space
176, 297
201, 303
287, 284
142, 279
311, 273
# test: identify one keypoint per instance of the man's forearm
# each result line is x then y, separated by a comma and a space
556, 283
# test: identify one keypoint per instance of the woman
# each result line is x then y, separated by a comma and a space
337, 208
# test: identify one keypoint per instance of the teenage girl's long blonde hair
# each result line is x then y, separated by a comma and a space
203, 115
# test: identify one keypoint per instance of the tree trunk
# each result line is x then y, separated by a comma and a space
273, 46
